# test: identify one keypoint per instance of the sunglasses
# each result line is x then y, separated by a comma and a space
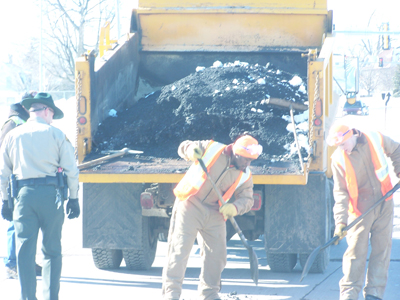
43, 108
338, 138
253, 149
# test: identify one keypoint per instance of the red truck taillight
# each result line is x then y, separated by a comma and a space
146, 200
257, 201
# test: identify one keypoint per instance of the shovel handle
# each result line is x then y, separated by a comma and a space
387, 195
233, 221
104, 158
316, 251
252, 255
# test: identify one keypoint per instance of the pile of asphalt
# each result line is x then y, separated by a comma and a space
218, 102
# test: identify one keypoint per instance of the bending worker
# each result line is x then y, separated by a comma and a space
31, 156
361, 178
197, 210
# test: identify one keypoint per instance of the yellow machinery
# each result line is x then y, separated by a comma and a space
167, 40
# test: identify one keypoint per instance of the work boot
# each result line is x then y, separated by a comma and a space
11, 273
38, 270
371, 297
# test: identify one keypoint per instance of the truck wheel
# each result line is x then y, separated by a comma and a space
320, 263
107, 258
281, 262
142, 259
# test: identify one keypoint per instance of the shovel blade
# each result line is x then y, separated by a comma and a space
309, 262
253, 265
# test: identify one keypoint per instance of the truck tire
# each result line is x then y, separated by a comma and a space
281, 262
320, 263
142, 259
106, 259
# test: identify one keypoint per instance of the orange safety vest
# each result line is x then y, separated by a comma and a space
375, 142
195, 176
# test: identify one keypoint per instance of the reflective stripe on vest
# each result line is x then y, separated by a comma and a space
375, 143
192, 182
195, 176
375, 140
17, 120
243, 177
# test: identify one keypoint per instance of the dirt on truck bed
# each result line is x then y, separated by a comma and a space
219, 103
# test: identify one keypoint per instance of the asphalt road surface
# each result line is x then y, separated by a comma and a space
82, 281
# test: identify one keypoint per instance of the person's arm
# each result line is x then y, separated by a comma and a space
340, 194
244, 197
7, 127
5, 170
392, 150
186, 148
68, 163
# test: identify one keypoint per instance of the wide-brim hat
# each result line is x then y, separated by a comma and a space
45, 99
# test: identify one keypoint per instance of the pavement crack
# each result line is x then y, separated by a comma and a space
318, 284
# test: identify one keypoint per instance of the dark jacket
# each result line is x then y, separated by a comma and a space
16, 110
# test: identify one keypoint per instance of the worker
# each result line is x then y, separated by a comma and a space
32, 155
197, 210
361, 178
17, 116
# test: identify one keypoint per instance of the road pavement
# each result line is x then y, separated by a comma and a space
81, 280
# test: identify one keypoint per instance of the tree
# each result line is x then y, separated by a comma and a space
72, 27
369, 51
396, 82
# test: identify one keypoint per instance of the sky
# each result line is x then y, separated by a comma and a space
21, 19
348, 14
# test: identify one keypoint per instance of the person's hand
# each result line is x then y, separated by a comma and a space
340, 232
228, 210
6, 212
194, 152
73, 210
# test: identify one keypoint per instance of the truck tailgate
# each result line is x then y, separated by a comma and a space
142, 169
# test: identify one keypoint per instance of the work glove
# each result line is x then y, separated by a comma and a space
340, 232
6, 212
194, 152
228, 210
73, 210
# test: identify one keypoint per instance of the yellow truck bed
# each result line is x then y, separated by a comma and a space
144, 169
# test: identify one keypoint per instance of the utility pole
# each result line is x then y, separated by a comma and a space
118, 21
41, 49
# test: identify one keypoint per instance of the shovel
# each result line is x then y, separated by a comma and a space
252, 255
114, 154
317, 250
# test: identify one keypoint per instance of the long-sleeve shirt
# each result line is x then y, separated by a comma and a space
369, 187
224, 175
36, 149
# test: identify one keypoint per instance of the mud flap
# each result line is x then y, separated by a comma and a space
297, 218
112, 216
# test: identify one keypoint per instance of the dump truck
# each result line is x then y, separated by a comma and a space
128, 198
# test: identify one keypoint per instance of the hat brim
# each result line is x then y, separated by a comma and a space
27, 103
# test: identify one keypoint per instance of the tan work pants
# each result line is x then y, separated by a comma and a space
379, 223
189, 218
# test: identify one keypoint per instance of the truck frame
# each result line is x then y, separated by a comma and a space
126, 210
